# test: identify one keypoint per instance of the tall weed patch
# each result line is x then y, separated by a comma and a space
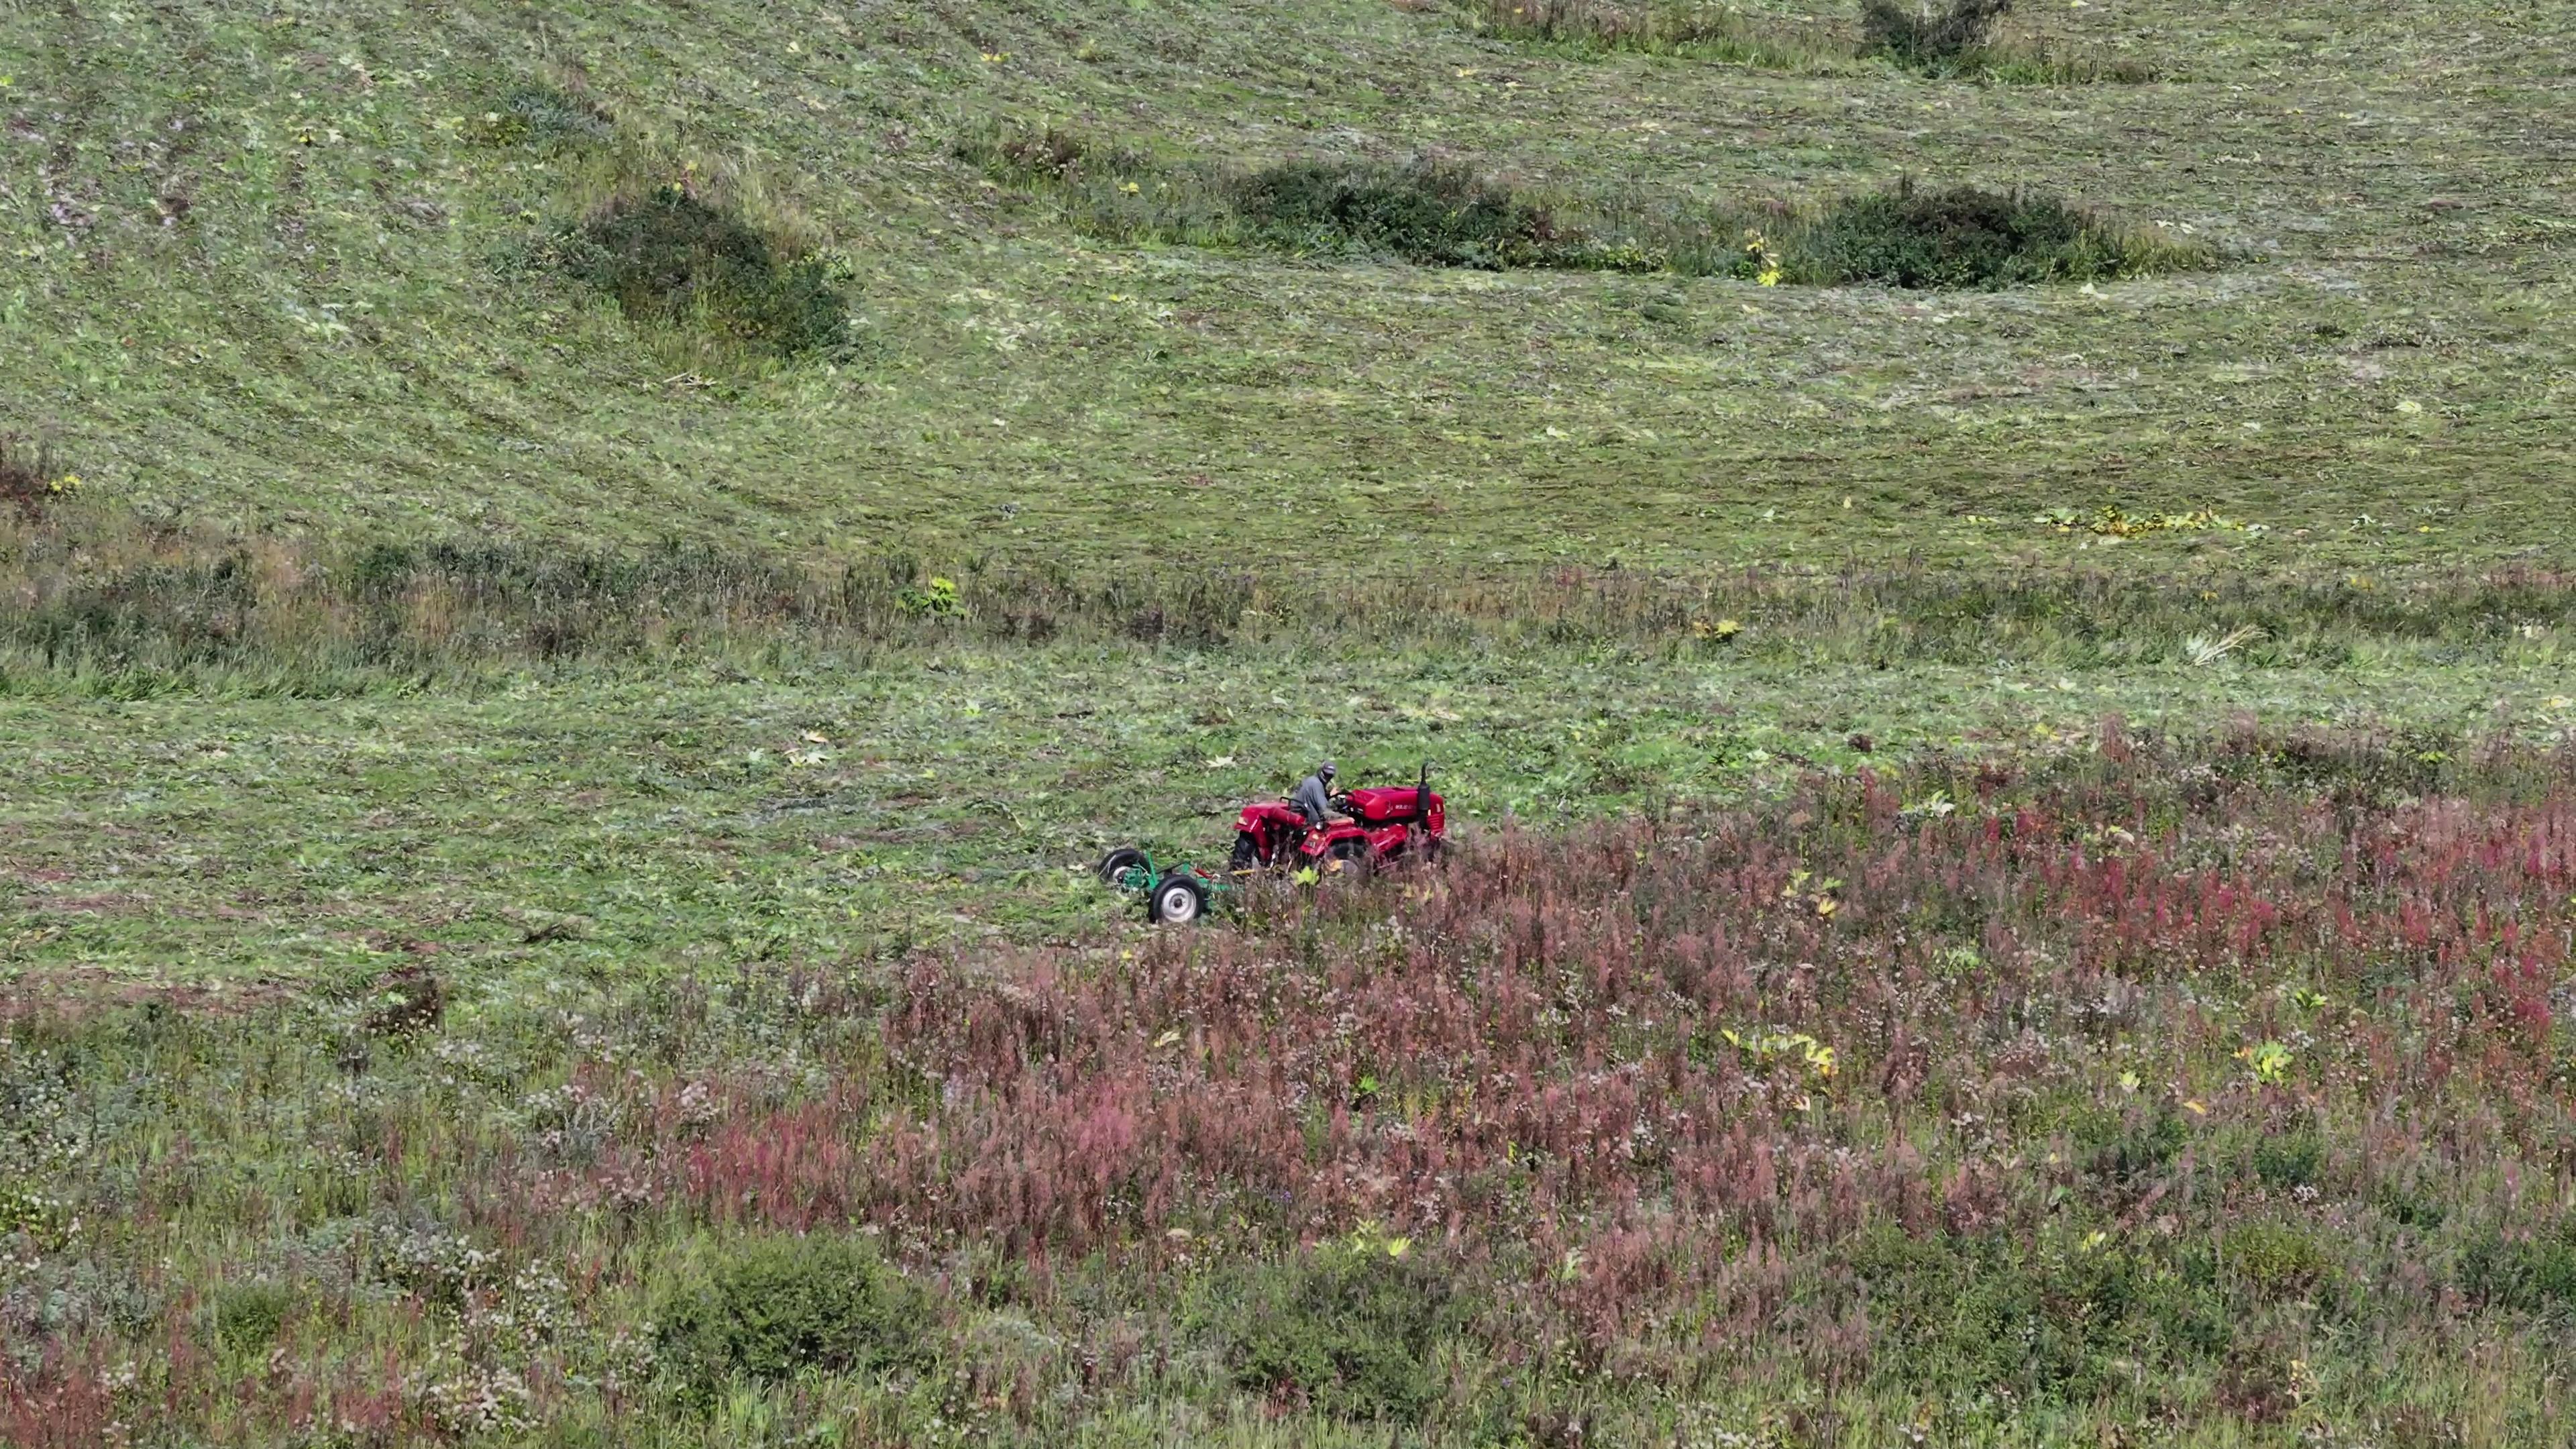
2051, 1086
1351, 1328
32, 479
1924, 36
1964, 40
107, 606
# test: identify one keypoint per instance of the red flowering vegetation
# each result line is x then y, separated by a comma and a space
61, 1401
2157, 1082
1639, 1069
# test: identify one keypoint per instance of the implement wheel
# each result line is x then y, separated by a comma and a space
1115, 865
1177, 900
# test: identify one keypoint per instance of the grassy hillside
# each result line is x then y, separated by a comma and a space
266, 271
580, 584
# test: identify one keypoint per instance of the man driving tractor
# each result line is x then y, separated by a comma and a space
1313, 798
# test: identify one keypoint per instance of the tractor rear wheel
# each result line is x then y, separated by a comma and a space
1247, 852
1178, 900
1115, 865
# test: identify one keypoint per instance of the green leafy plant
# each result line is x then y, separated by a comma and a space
2529, 1271
248, 1314
778, 1307
1765, 1047
936, 599
2291, 1159
2051, 1321
545, 117
2275, 1257
1350, 1327
2270, 1062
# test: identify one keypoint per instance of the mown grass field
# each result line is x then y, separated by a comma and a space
2013, 880
327, 332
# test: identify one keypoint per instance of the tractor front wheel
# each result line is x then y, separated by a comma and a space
1178, 900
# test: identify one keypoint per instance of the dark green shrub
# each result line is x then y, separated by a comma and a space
2293, 1159
248, 1315
1350, 1329
1917, 37
778, 1307
1969, 237
2536, 1274
2121, 1148
672, 257
2050, 1321
1426, 213
2410, 1205
2275, 1258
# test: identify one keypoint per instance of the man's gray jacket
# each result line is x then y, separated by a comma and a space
1312, 800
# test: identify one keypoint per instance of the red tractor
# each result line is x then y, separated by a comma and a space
1386, 822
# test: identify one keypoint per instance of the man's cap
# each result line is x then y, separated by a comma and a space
1325, 768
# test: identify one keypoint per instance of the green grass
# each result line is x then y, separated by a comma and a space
609, 1197
681, 816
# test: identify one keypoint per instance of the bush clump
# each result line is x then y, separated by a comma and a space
1925, 38
2534, 1274
780, 1307
2050, 1322
670, 256
1957, 40
1966, 236
1428, 213
1440, 213
1350, 1329
249, 1314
